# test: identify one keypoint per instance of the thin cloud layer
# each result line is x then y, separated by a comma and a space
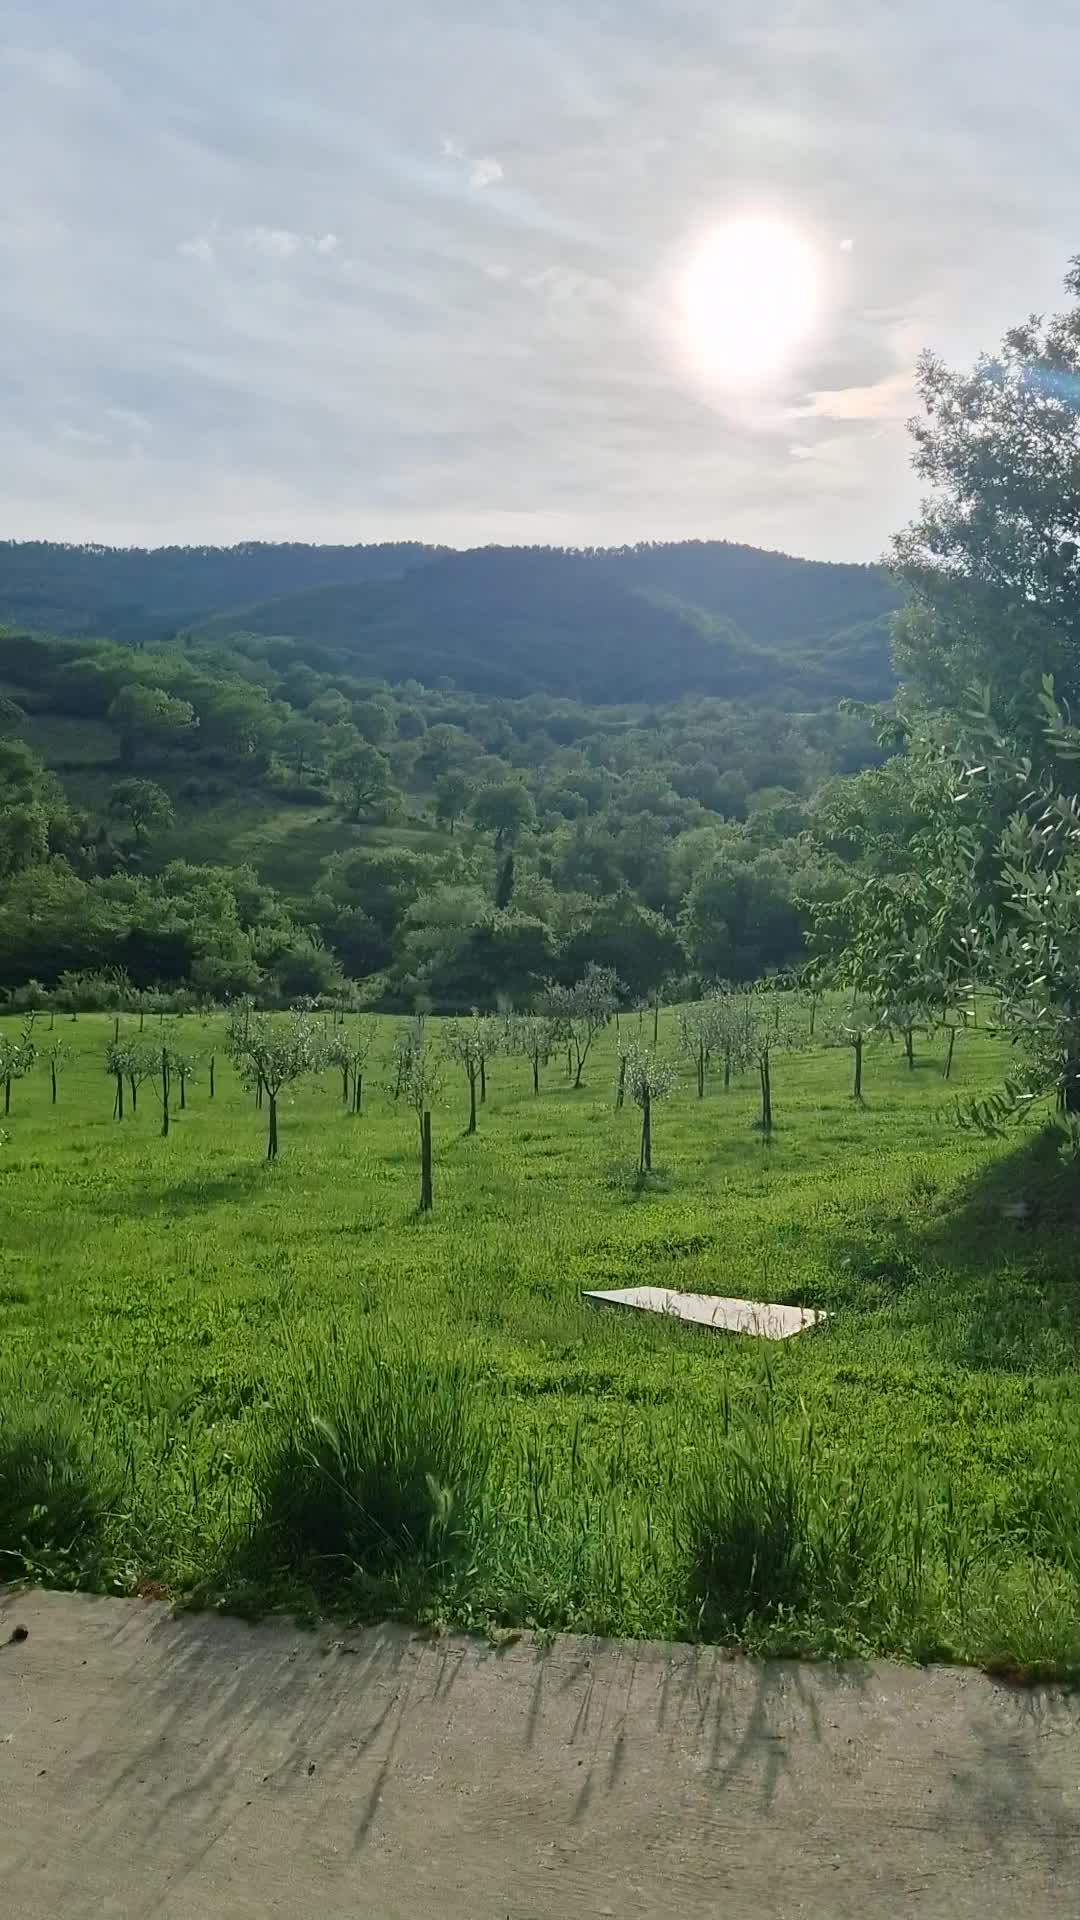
252, 283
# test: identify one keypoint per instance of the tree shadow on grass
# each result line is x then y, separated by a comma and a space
200, 1194
992, 1271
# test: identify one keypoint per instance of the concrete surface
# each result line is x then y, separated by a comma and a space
711, 1311
200, 1767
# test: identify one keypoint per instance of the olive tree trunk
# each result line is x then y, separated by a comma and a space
645, 1158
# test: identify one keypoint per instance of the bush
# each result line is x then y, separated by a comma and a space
772, 1530
747, 1537
54, 1499
378, 1466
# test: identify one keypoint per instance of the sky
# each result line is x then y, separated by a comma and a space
426, 268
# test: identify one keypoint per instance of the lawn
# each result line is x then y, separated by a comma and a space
904, 1479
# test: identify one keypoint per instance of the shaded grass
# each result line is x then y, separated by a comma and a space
374, 1472
56, 1497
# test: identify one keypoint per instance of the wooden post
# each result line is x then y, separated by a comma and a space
426, 1201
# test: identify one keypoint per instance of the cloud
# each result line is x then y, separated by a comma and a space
890, 399
485, 172
304, 310
199, 247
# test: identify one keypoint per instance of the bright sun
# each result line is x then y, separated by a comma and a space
749, 294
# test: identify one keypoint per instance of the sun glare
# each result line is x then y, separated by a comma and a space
749, 295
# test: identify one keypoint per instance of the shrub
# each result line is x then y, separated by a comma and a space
378, 1466
772, 1530
746, 1525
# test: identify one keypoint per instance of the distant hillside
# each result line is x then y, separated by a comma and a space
778, 601
645, 623
603, 627
135, 593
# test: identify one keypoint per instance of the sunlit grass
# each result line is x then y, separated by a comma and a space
905, 1480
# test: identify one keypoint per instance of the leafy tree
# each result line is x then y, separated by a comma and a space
579, 1012
142, 803
421, 1080
302, 744
992, 562
649, 1080
148, 718
701, 1034
534, 1037
504, 810
56, 1054
453, 791
270, 1058
857, 1028
348, 1051
773, 1025
131, 1061
362, 776
642, 947
465, 1043
17, 1057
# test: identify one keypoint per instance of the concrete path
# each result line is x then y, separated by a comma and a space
199, 1767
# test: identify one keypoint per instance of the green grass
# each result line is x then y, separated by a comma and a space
224, 1347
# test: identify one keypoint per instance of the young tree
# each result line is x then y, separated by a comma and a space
701, 1035
578, 1013
533, 1038
56, 1055
348, 1051
772, 1028
464, 1043
271, 1058
17, 1056
127, 1060
421, 1085
858, 1028
649, 1081
731, 1030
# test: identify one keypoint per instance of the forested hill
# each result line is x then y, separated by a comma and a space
651, 622
139, 593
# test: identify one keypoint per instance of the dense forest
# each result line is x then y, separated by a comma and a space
445, 776
652, 622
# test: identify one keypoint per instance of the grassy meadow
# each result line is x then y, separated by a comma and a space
256, 1385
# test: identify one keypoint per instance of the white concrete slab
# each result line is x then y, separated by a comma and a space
712, 1311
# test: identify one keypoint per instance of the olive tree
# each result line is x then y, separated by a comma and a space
56, 1054
579, 1012
648, 1080
128, 1060
17, 1056
703, 1034
465, 1043
270, 1058
420, 1084
348, 1050
859, 1028
773, 1026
